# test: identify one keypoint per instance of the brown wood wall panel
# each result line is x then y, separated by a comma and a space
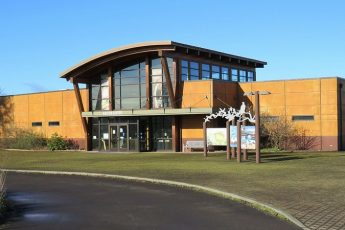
50, 106
319, 99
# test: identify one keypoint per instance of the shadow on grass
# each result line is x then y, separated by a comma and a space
276, 157
286, 157
280, 158
265, 157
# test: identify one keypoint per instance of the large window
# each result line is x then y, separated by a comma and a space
206, 72
190, 71
130, 87
225, 73
243, 76
194, 70
184, 70
215, 72
159, 91
250, 75
234, 74
100, 93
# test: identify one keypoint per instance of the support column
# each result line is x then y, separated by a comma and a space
81, 110
228, 140
176, 85
238, 141
110, 81
175, 134
233, 149
166, 73
245, 156
148, 85
257, 128
204, 127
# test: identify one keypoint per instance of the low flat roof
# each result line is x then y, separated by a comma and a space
41, 92
294, 79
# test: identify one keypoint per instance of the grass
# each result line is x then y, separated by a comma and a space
281, 180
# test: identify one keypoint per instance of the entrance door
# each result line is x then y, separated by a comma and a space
119, 137
114, 141
123, 137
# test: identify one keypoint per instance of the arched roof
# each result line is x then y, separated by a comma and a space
145, 47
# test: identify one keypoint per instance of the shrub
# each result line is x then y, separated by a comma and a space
56, 142
281, 134
302, 141
278, 131
25, 139
71, 144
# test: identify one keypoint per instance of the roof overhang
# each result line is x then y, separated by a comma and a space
153, 46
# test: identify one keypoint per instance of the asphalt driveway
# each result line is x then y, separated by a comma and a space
75, 202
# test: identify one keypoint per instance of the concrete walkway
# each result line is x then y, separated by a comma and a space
321, 216
74, 202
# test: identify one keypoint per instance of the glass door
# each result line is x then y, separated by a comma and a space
162, 133
123, 138
119, 137
114, 140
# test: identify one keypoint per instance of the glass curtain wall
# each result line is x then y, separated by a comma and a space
129, 88
100, 134
159, 91
132, 134
100, 93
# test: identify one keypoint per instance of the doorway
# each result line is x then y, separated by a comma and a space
119, 137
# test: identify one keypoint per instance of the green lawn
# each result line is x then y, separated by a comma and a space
282, 180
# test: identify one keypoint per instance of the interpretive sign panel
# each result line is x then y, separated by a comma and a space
216, 136
233, 136
247, 137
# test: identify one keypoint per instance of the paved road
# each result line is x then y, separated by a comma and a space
73, 202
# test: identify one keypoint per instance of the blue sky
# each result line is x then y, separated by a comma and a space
39, 39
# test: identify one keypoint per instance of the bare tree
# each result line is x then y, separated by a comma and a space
2, 172
282, 134
6, 114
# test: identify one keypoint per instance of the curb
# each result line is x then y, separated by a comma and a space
248, 201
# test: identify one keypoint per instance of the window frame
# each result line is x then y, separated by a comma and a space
139, 66
53, 123
307, 118
36, 124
